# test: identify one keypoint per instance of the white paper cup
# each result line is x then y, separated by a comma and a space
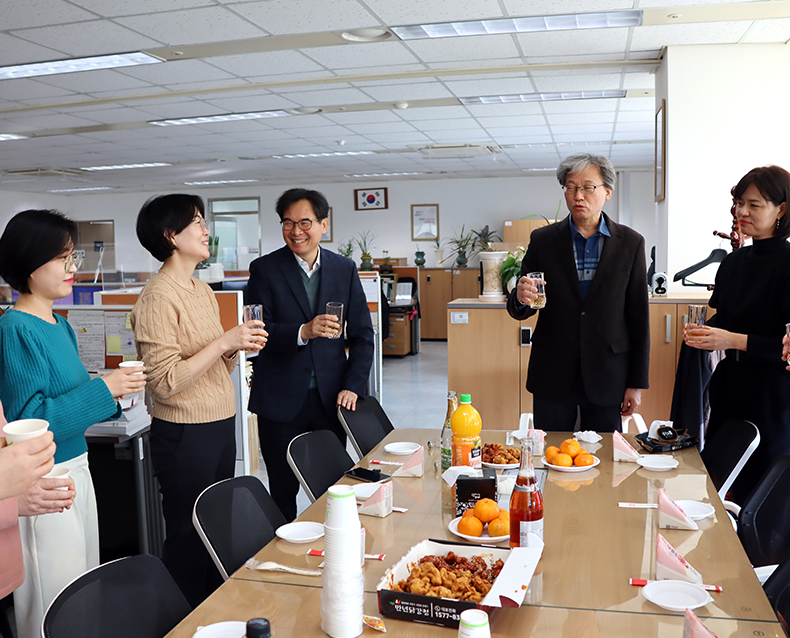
58, 473
24, 429
341, 507
132, 364
474, 624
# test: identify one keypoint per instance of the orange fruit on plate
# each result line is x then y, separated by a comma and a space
570, 447
562, 459
504, 513
469, 512
583, 460
471, 526
486, 510
551, 452
499, 527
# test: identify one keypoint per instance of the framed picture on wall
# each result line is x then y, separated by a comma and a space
424, 222
370, 199
327, 236
661, 151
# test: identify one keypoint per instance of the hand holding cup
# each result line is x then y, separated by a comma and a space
531, 290
128, 378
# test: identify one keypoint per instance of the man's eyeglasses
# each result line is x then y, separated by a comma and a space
304, 224
587, 189
74, 259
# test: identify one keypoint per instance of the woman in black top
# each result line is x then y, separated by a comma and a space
752, 302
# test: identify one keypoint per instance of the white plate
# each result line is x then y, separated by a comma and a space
403, 448
228, 629
572, 468
485, 537
363, 491
660, 463
696, 511
303, 532
676, 595
502, 466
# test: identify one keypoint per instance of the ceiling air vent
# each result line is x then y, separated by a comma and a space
450, 151
45, 172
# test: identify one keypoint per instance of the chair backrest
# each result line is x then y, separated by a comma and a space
727, 448
639, 423
132, 597
764, 521
318, 460
366, 426
777, 589
235, 518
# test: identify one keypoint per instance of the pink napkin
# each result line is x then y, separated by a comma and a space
623, 450
379, 503
670, 515
672, 566
693, 627
414, 466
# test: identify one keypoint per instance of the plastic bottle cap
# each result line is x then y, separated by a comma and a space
466, 398
258, 628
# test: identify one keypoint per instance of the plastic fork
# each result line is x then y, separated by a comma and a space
268, 565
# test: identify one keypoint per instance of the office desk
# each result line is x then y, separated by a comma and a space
592, 548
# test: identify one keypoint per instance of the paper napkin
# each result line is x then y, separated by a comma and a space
414, 466
623, 450
670, 514
693, 627
380, 502
672, 566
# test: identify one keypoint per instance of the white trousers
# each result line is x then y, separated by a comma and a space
57, 548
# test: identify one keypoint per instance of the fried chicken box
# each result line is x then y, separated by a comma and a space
508, 589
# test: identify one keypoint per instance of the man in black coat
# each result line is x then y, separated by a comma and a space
302, 375
591, 346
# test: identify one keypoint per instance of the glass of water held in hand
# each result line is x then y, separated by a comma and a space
539, 283
697, 315
335, 308
253, 312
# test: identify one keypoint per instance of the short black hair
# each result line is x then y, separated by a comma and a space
31, 239
773, 182
164, 213
293, 195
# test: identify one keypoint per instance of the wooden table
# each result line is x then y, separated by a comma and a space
581, 585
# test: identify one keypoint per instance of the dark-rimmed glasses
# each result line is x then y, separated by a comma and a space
304, 224
587, 189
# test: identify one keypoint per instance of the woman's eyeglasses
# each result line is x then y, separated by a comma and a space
74, 259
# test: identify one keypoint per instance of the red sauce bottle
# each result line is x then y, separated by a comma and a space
526, 502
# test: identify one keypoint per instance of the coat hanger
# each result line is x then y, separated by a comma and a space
715, 257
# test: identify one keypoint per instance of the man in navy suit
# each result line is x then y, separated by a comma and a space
302, 375
591, 348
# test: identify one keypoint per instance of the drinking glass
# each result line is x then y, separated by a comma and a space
697, 315
539, 282
335, 308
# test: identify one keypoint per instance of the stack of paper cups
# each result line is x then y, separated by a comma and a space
474, 624
343, 590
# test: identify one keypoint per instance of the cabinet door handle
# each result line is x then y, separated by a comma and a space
428, 277
669, 329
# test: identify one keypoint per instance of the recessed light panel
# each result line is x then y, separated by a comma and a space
75, 65
227, 117
118, 167
222, 181
542, 97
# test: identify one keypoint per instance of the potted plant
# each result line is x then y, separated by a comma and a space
484, 239
346, 248
511, 269
438, 250
419, 257
461, 244
386, 266
365, 244
491, 262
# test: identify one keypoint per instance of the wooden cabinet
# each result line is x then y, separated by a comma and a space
438, 287
398, 342
518, 231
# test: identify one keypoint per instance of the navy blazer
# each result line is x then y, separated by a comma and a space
609, 331
283, 369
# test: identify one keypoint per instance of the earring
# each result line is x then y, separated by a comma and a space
778, 221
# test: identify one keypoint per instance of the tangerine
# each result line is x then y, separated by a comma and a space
551, 452
499, 527
469, 512
570, 447
562, 459
486, 510
471, 526
583, 459
504, 513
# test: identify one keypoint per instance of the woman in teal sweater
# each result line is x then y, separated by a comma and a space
41, 376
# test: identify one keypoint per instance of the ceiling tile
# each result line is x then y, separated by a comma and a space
40, 122
15, 50
39, 13
114, 8
27, 89
355, 56
397, 140
491, 87
581, 118
450, 125
457, 50
502, 110
93, 81
547, 43
267, 64
206, 24
768, 31
177, 72
558, 7
433, 113
581, 106
382, 127
364, 117
88, 38
577, 82
656, 37
277, 16
407, 91
512, 121
638, 104
248, 103
406, 12
327, 97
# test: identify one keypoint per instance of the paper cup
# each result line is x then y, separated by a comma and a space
24, 429
341, 507
58, 473
474, 624
132, 364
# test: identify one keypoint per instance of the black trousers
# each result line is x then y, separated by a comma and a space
187, 458
559, 414
275, 437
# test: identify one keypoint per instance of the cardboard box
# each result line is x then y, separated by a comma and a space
508, 591
470, 489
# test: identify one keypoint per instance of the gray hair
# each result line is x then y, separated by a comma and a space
577, 163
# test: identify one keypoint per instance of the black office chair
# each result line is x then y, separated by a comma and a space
764, 519
235, 518
366, 426
777, 589
727, 448
132, 597
318, 459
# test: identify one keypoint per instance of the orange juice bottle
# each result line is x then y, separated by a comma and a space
466, 426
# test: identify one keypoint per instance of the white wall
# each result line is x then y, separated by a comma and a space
727, 111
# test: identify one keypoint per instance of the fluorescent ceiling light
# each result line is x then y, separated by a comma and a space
542, 97
520, 25
222, 181
120, 166
382, 174
227, 117
74, 190
298, 155
74, 65
4, 137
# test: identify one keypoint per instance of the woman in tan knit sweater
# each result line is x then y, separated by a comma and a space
188, 359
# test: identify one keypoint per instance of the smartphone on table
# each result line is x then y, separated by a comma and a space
369, 476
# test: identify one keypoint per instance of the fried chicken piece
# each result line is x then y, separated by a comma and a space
440, 592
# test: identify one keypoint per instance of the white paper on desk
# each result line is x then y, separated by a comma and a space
379, 503
451, 474
508, 589
414, 466
88, 326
